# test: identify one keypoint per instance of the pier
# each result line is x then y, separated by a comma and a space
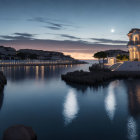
38, 62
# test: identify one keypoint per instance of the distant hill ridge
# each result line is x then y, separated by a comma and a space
12, 53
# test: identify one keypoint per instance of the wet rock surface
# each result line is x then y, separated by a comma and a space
3, 80
19, 132
98, 77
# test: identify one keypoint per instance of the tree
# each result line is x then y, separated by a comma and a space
21, 55
100, 55
122, 57
33, 56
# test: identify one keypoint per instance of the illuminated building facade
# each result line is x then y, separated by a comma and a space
134, 44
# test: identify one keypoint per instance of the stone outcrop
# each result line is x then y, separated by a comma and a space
19, 132
3, 80
98, 77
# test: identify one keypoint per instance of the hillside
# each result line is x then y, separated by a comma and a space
9, 53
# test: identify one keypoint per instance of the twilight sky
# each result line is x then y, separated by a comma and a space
75, 27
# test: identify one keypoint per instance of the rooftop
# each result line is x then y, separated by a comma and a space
134, 29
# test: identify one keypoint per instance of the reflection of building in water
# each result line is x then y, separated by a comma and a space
53, 68
70, 107
110, 100
27, 69
36, 72
134, 97
131, 129
133, 88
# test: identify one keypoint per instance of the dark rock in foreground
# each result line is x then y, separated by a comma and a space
95, 77
19, 132
3, 80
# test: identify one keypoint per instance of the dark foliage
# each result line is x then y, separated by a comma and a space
97, 68
123, 57
21, 55
33, 56
100, 55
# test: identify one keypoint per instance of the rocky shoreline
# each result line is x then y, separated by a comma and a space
3, 80
98, 77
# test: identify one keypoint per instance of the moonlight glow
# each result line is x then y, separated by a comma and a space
112, 30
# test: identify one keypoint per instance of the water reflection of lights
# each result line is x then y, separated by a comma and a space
27, 69
53, 68
110, 100
132, 129
42, 72
37, 71
70, 107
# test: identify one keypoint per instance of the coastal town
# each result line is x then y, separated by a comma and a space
9, 53
115, 60
12, 57
69, 70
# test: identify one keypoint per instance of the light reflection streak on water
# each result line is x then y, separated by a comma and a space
132, 129
71, 107
37, 72
110, 100
42, 72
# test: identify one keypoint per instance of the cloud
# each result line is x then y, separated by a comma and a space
37, 19
75, 46
102, 40
69, 36
25, 34
18, 36
51, 23
57, 45
53, 27
56, 24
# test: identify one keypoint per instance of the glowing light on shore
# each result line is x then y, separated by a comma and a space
81, 56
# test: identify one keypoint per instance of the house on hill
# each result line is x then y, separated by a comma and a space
134, 44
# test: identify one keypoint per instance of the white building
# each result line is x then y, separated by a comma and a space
134, 44
111, 60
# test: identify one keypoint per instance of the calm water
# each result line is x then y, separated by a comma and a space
36, 96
